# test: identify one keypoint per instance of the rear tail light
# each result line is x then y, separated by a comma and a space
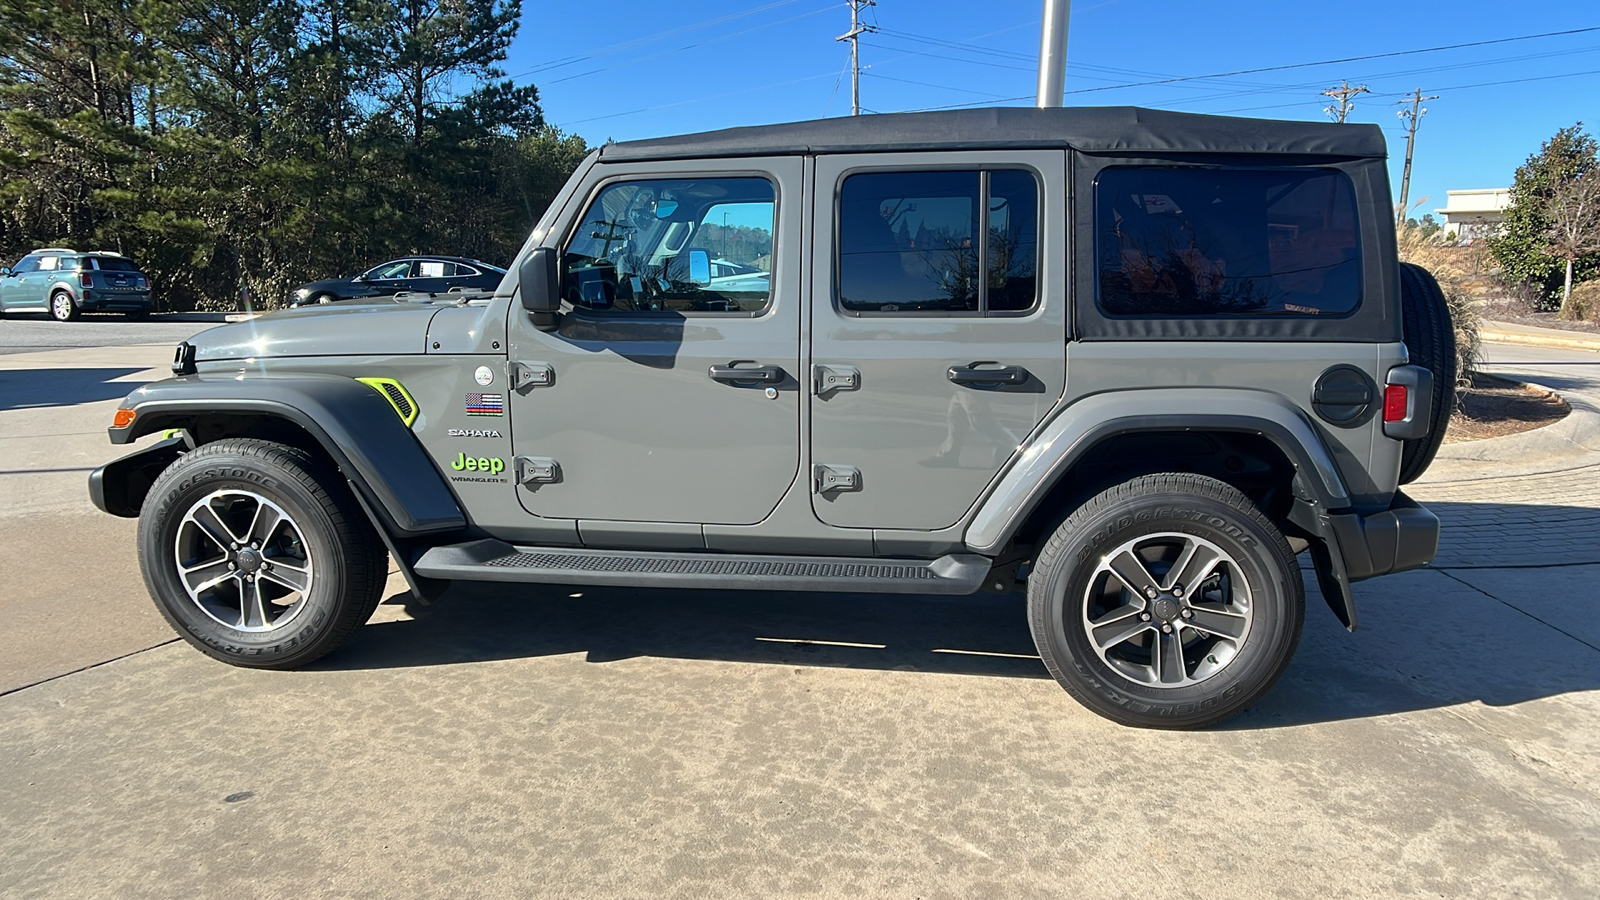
85, 280
141, 281
1396, 398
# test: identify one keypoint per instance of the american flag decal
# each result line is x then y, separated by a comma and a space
486, 404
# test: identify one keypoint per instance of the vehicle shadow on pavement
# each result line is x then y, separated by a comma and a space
1479, 632
37, 388
982, 634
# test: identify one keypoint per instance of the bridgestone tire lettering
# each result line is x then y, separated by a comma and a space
349, 558
1153, 504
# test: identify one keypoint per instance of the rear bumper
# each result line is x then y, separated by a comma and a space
97, 300
1405, 536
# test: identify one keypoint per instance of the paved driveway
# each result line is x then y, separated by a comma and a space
546, 741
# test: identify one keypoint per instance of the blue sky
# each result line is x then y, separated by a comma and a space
634, 68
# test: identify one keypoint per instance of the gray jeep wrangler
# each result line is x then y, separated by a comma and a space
1135, 361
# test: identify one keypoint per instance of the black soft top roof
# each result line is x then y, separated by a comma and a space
1097, 129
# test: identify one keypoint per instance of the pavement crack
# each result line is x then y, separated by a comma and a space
1519, 609
95, 665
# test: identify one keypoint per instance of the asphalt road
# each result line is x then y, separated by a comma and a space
33, 332
531, 741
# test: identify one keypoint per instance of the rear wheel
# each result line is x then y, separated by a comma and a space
1430, 336
1169, 601
258, 555
62, 307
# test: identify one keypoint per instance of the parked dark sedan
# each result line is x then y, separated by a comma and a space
433, 274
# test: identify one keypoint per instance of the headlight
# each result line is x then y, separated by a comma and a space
302, 293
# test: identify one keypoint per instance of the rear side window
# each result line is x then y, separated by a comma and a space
1193, 242
114, 264
938, 242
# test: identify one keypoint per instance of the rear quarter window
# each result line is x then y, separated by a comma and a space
1201, 242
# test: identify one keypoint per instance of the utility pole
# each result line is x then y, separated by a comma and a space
856, 31
1344, 95
1053, 53
1413, 118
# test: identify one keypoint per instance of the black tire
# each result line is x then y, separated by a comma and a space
138, 315
63, 308
1430, 337
1069, 587
328, 542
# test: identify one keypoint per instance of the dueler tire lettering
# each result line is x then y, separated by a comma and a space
348, 557
1180, 505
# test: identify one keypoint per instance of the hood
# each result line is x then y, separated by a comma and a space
386, 328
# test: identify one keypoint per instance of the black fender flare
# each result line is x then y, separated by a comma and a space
1318, 488
391, 474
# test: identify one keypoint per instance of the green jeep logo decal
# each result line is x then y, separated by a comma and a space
490, 464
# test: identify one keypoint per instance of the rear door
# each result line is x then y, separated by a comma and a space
939, 328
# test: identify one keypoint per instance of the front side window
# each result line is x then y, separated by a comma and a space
400, 268
1192, 242
911, 242
674, 245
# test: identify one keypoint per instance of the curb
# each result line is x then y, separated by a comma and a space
1576, 342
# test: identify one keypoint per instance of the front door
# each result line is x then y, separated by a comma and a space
668, 393
939, 315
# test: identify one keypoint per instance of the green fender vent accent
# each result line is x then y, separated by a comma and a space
397, 395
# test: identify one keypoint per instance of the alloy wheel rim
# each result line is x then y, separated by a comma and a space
243, 561
1167, 610
62, 306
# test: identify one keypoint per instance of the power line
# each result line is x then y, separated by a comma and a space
1305, 65
636, 42
1343, 95
711, 40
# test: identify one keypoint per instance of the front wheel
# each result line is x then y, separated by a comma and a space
62, 309
258, 555
1169, 601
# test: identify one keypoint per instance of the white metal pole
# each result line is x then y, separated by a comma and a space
1053, 53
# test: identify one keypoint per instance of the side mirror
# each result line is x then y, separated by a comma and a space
699, 266
540, 288
5, 271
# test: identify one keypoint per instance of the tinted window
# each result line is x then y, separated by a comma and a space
400, 268
910, 241
25, 265
632, 249
114, 264
1214, 242
68, 264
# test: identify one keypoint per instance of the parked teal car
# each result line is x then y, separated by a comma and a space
65, 283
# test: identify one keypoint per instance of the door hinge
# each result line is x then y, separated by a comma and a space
829, 479
532, 375
537, 470
825, 379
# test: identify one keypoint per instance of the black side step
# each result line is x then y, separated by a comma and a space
492, 560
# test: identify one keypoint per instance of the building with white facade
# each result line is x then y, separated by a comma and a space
1473, 215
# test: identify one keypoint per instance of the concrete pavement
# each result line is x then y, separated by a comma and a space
548, 741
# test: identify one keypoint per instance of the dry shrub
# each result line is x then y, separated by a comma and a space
1584, 304
1461, 275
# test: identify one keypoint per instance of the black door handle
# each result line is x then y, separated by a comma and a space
971, 374
732, 373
